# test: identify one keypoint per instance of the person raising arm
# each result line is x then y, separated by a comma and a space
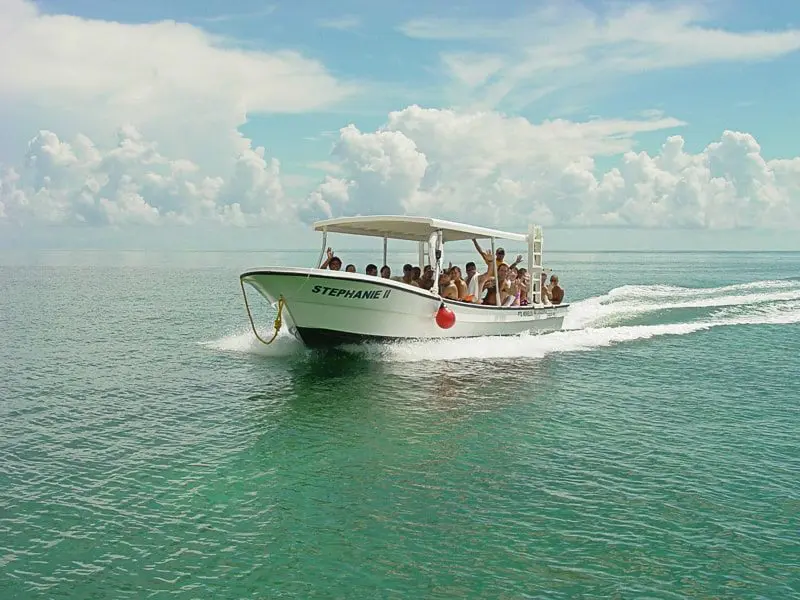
334, 263
500, 255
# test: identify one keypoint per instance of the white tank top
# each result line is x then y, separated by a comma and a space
472, 288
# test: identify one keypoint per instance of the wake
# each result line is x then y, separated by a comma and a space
591, 324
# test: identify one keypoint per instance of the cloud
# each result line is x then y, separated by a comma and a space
472, 68
178, 84
343, 23
566, 43
238, 16
132, 183
492, 169
475, 167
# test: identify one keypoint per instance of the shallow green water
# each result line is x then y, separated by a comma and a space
150, 448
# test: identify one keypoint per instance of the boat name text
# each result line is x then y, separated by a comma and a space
337, 292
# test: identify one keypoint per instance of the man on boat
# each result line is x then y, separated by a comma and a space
472, 283
408, 275
500, 255
470, 269
556, 291
426, 282
334, 263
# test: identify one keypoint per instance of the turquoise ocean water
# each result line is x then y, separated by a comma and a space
150, 448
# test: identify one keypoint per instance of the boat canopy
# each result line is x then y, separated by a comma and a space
416, 229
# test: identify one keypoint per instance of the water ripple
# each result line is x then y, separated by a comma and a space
612, 463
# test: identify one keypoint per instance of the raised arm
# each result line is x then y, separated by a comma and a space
324, 264
486, 257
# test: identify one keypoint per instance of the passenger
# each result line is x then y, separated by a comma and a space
426, 281
334, 263
516, 260
505, 284
447, 287
556, 291
455, 277
474, 288
386, 272
417, 273
515, 293
481, 285
471, 271
372, 270
545, 289
350, 268
500, 255
489, 285
523, 284
408, 275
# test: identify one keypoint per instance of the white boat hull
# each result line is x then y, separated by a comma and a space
328, 308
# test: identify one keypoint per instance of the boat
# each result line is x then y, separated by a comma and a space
326, 308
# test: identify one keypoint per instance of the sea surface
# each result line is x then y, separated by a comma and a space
150, 447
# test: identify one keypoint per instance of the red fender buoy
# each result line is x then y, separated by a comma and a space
445, 318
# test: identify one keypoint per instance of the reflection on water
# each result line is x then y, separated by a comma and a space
337, 389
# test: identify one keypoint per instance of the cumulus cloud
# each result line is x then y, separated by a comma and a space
566, 42
133, 183
484, 167
478, 167
179, 85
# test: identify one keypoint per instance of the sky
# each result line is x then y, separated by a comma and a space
203, 123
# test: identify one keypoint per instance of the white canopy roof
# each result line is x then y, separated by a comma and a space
417, 229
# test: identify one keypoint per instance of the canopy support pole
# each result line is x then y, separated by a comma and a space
324, 245
496, 280
437, 247
536, 279
385, 249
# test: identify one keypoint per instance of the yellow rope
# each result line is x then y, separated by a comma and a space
278, 319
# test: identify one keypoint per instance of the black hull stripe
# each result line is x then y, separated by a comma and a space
318, 338
404, 288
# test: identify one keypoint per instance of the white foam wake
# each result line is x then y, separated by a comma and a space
592, 323
578, 340
632, 301
245, 342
